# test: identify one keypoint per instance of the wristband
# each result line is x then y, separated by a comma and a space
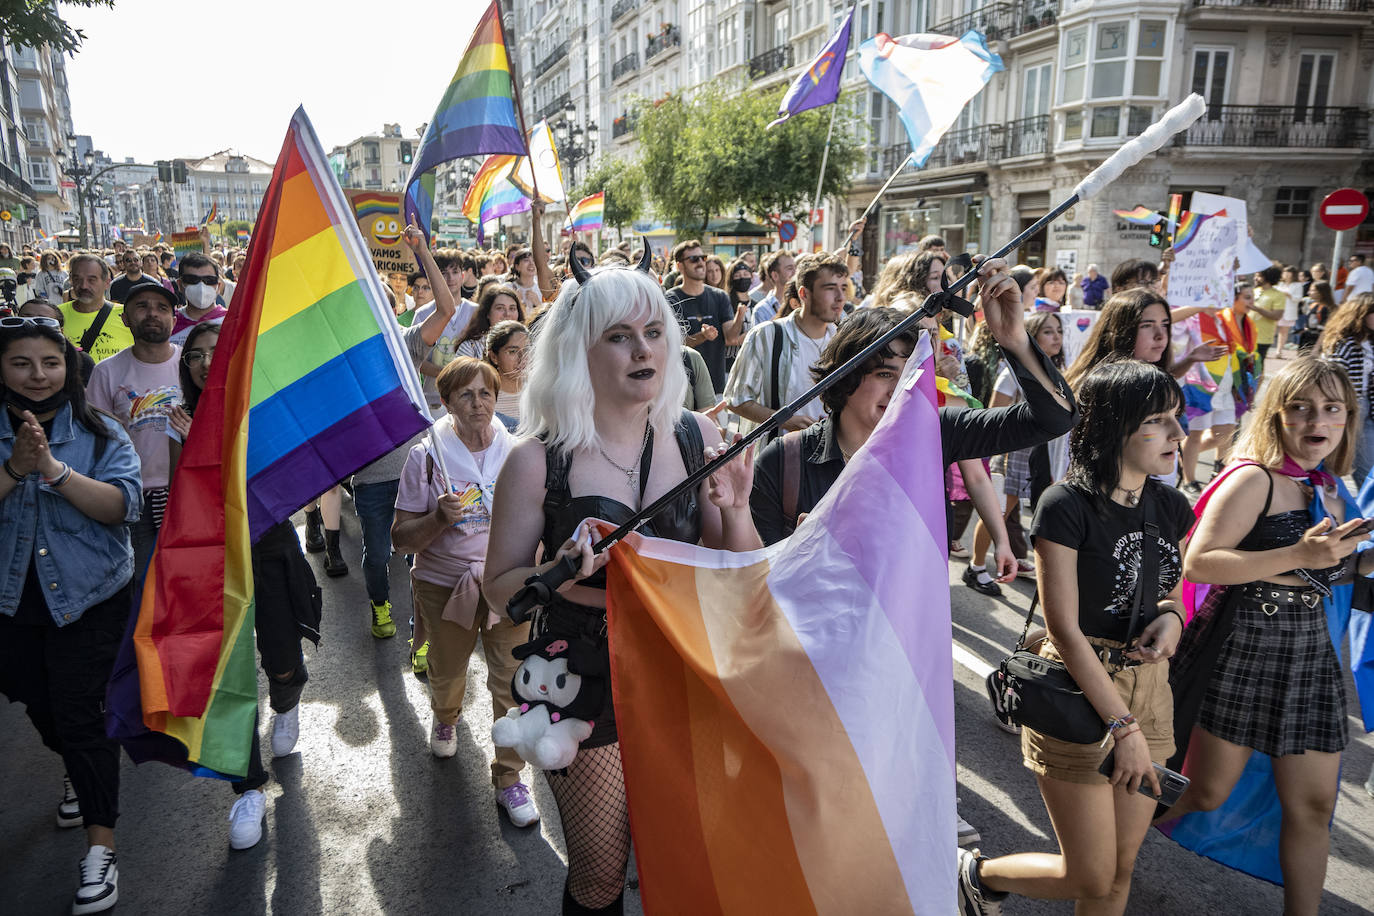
61, 478
1174, 611
1118, 724
14, 475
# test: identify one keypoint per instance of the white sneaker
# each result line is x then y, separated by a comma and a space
245, 820
286, 730
518, 804
69, 808
99, 888
443, 740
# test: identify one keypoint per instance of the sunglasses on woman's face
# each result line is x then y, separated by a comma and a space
19, 321
192, 280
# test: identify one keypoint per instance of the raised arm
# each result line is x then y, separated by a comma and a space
542, 274
444, 303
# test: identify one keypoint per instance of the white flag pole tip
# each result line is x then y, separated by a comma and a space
1176, 119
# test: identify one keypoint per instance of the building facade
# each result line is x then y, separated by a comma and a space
376, 162
46, 122
228, 180
17, 193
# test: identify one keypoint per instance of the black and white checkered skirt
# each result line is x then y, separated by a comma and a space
1277, 686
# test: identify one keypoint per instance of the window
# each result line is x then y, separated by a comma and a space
1211, 73
1075, 63
40, 171
1314, 85
1109, 67
1117, 61
1035, 94
1293, 202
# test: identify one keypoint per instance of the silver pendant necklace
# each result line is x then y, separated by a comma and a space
1132, 496
632, 472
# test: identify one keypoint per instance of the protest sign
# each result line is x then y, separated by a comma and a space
1207, 204
1203, 273
379, 219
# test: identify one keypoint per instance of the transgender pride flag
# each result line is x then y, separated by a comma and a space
786, 715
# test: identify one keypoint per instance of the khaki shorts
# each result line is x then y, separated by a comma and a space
1145, 691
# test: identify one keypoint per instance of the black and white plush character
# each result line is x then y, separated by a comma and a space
560, 684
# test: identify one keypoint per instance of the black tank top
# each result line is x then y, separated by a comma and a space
680, 520
1283, 529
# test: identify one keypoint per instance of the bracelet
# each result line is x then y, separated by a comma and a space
14, 475
1115, 724
1130, 731
61, 478
1174, 611
855, 251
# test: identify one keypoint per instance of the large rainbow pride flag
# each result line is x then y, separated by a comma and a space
786, 715
312, 383
478, 115
588, 213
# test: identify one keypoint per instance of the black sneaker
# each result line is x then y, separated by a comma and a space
989, 587
1192, 488
69, 808
99, 888
974, 899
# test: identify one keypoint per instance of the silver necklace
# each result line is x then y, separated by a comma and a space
1133, 496
632, 472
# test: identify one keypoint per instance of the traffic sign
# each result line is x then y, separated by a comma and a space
1343, 209
5, 216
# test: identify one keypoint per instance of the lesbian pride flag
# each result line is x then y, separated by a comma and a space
311, 383
786, 715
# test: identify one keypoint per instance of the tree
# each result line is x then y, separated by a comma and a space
232, 227
33, 23
713, 154
623, 183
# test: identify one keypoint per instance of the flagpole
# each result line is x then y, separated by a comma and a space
825, 157
519, 101
876, 197
538, 589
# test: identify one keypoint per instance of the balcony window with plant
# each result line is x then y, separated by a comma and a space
1113, 77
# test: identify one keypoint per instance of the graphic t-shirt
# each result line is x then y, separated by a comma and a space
140, 396
711, 306
114, 334
1109, 553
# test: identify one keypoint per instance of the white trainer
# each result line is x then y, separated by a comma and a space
443, 740
99, 888
245, 820
286, 731
519, 805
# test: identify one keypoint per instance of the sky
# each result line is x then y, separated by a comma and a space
250, 63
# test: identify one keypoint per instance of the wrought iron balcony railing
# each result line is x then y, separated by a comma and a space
1023, 137
559, 52
1279, 126
1304, 6
1001, 21
622, 7
627, 64
671, 37
770, 61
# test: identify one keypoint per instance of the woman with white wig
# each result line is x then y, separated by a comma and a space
604, 434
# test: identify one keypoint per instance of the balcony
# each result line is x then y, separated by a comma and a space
770, 62
559, 52
627, 64
669, 38
1280, 126
622, 126
1004, 21
968, 146
1300, 6
556, 107
622, 7
12, 180
1024, 137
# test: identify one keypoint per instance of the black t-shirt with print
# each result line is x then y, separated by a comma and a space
711, 307
1108, 544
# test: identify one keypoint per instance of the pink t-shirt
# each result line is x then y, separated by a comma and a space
184, 324
140, 395
449, 555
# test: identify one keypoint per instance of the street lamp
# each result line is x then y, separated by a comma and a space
83, 175
569, 138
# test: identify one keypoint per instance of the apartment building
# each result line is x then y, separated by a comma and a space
46, 121
17, 193
376, 162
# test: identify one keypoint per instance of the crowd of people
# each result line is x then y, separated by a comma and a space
570, 385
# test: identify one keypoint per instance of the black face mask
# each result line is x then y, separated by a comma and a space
47, 405
741, 285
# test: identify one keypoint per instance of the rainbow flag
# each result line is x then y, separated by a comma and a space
478, 115
1140, 215
210, 214
492, 194
241, 233
313, 383
786, 715
365, 205
587, 213
157, 236
183, 243
1187, 228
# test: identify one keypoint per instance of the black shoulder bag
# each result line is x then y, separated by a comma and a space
1039, 693
97, 325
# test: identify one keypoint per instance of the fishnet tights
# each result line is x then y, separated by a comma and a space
596, 825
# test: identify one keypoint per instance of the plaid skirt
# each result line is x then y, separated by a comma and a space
1277, 686
1015, 470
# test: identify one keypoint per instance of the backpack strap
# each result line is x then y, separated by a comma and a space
1148, 575
775, 383
97, 325
791, 476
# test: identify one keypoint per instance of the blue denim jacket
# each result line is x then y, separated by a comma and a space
80, 561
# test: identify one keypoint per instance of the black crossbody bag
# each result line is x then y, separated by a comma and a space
1039, 693
97, 325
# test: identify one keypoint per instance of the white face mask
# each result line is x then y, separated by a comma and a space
200, 296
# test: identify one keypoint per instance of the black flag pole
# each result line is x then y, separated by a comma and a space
538, 589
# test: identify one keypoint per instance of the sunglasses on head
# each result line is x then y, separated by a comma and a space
694, 258
191, 280
19, 321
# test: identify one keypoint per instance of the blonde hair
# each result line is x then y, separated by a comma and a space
558, 399
1262, 440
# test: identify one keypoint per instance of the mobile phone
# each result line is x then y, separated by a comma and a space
1361, 531
1171, 784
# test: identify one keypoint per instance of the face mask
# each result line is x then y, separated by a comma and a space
200, 296
47, 405
740, 285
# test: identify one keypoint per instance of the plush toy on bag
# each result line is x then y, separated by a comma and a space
560, 684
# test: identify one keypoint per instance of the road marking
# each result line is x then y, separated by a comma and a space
971, 662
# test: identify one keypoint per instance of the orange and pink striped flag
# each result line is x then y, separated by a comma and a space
786, 715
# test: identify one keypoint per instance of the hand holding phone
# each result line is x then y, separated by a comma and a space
1360, 532
1171, 784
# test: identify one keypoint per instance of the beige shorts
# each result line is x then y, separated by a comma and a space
1145, 691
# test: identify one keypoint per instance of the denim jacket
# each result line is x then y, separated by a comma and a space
80, 561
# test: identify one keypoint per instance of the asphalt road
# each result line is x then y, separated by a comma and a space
361, 819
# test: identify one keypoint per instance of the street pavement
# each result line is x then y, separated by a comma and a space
361, 819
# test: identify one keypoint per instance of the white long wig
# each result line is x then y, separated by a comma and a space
557, 401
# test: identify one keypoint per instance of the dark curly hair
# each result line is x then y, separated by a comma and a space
1114, 398
856, 332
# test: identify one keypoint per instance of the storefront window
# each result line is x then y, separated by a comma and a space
973, 225
903, 228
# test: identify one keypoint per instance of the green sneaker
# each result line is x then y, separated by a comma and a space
382, 625
419, 659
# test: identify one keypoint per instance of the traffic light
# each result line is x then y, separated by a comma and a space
405, 152
179, 171
164, 170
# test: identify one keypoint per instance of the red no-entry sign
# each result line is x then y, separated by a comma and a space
1344, 209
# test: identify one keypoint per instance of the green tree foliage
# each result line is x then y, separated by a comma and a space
232, 227
711, 155
33, 23
623, 182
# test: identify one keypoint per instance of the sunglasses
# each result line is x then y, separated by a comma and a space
192, 280
19, 321
694, 258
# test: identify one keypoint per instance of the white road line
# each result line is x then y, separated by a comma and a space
971, 662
